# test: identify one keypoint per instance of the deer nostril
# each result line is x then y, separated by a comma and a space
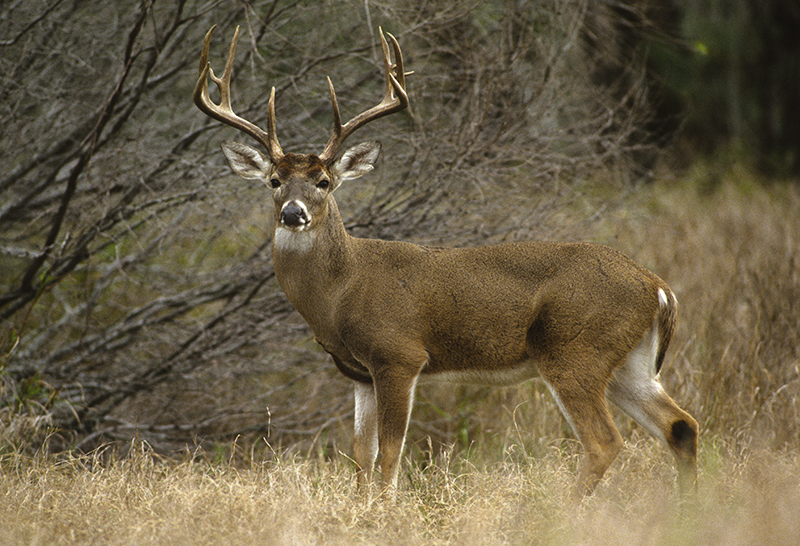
294, 214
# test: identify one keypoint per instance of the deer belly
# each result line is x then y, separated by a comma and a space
506, 375
480, 353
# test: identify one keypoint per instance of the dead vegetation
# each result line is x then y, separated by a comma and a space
746, 496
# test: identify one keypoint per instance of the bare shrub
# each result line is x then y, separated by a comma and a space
136, 281
136, 291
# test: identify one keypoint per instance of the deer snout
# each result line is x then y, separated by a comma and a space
294, 214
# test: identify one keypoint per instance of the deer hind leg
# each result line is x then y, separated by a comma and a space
635, 389
588, 415
365, 438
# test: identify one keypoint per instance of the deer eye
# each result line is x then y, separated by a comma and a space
275, 183
323, 184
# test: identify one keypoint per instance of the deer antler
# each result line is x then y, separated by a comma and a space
395, 99
223, 111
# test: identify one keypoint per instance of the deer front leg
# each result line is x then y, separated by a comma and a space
395, 397
365, 438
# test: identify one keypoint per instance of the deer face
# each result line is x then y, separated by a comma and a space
301, 184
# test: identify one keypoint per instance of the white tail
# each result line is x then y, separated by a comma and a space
589, 321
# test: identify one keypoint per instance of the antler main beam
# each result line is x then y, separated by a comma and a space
395, 99
223, 111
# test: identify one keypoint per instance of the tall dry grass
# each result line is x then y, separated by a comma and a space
732, 255
745, 497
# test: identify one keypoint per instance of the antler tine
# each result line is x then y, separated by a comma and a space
398, 67
223, 111
395, 99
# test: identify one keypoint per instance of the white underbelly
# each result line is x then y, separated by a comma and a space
504, 377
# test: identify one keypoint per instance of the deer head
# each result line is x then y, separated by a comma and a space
301, 183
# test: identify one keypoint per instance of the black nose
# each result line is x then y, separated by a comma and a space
293, 215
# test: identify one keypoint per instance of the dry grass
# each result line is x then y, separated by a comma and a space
732, 255
745, 497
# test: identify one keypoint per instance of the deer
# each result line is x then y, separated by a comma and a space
590, 322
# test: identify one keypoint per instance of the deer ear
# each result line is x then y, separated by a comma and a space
245, 161
358, 160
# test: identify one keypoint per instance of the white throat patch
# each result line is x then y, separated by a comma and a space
288, 240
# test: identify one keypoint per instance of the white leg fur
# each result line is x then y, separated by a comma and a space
365, 441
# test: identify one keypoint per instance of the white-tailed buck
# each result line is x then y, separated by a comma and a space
593, 324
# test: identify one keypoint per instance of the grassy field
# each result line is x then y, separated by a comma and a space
731, 253
745, 497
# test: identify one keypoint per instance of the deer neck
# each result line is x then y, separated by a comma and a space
311, 264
